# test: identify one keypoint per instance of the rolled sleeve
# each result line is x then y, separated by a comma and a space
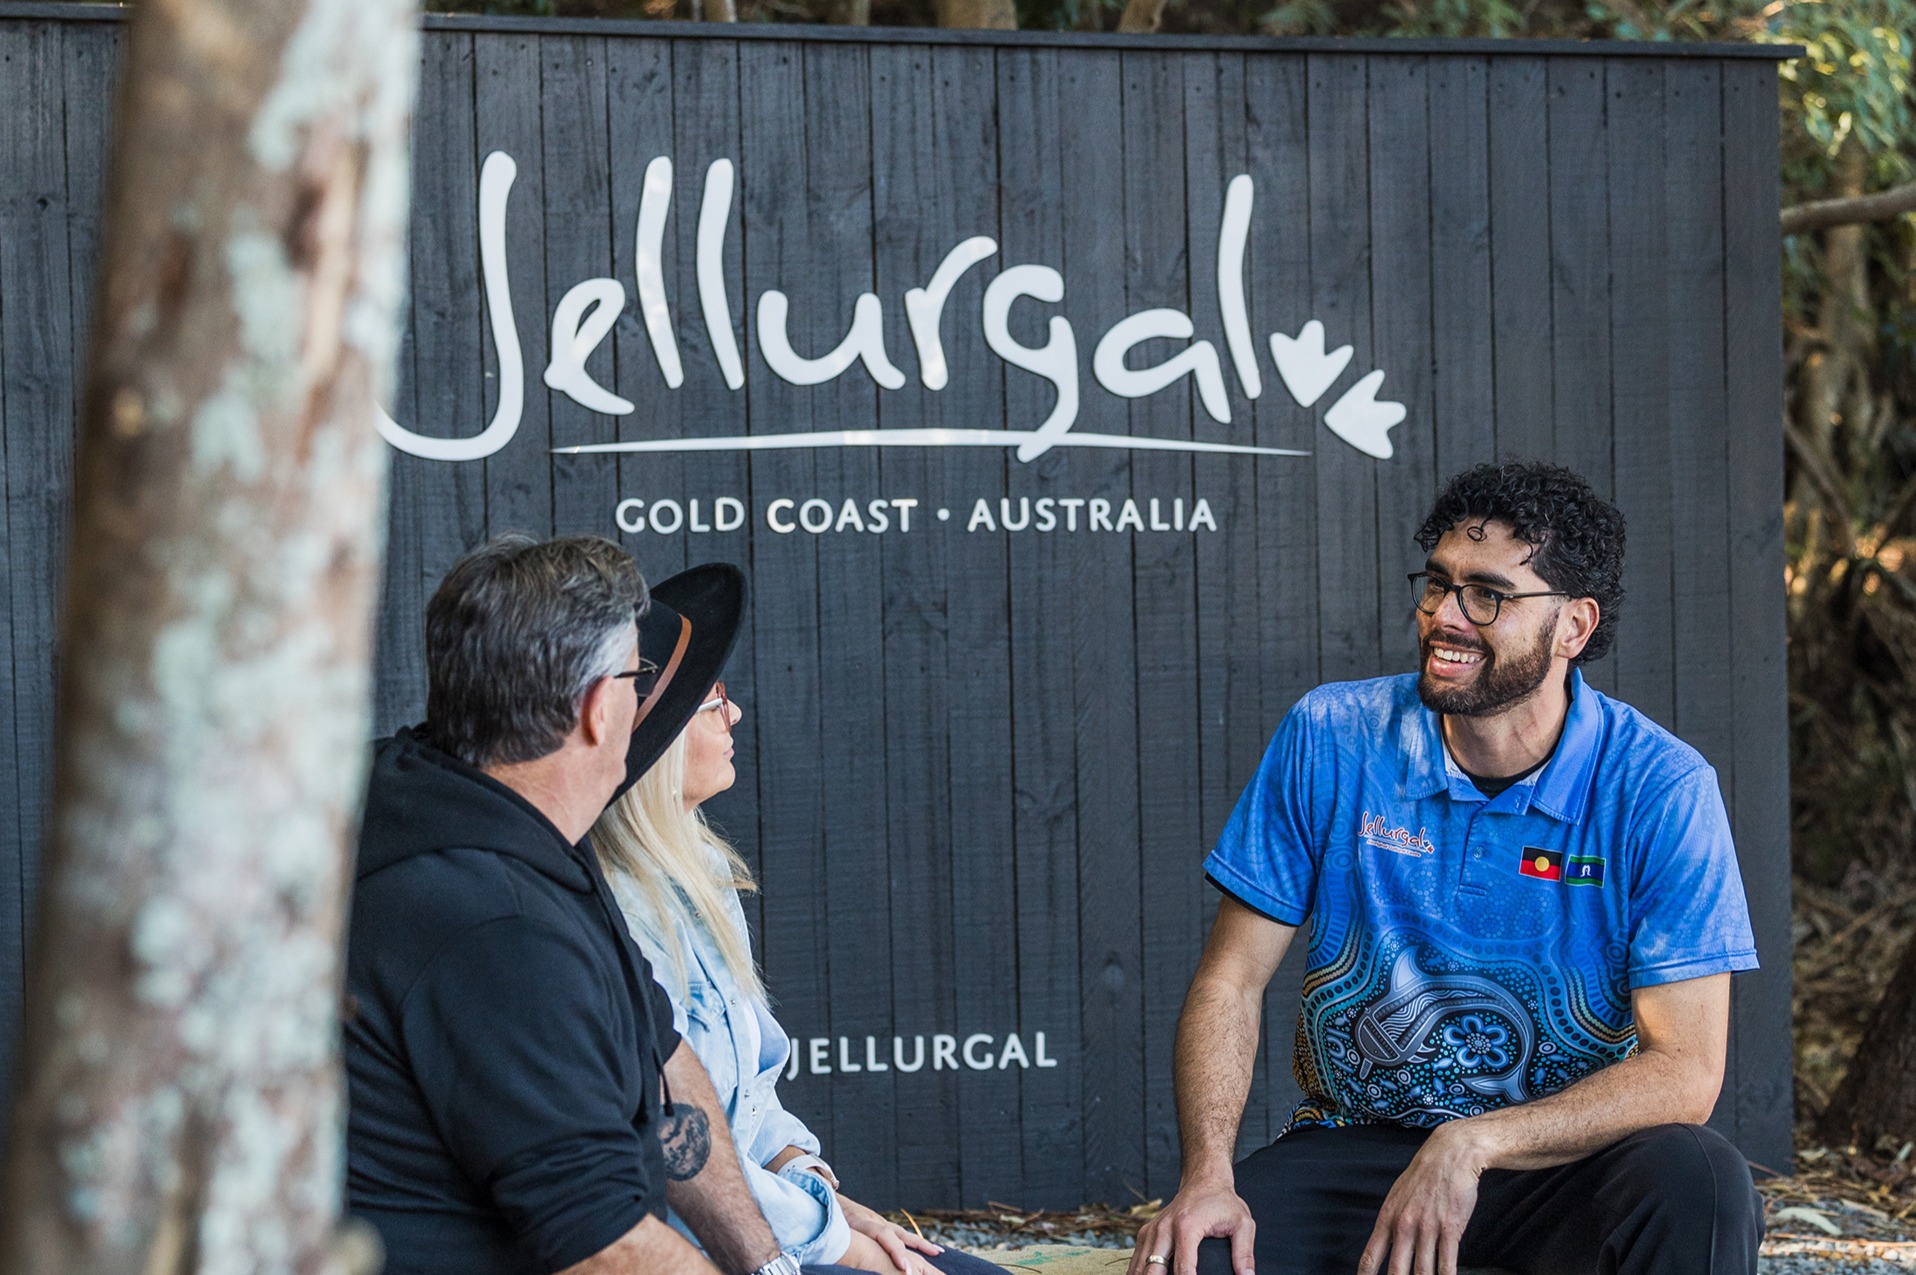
537, 1105
804, 1214
1689, 916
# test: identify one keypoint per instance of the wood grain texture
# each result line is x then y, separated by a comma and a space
1463, 314
1759, 808
775, 220
1229, 710
918, 214
1168, 268
1580, 288
1698, 439
695, 87
1280, 290
1644, 657
1104, 655
1341, 245
508, 118
438, 510
1522, 350
1045, 763
38, 347
978, 769
978, 654
1402, 265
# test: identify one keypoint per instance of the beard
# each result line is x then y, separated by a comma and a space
1502, 681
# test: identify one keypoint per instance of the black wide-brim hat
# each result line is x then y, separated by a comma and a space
685, 637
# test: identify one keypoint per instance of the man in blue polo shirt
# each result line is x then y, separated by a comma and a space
1524, 908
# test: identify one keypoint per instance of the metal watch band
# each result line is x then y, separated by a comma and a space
783, 1264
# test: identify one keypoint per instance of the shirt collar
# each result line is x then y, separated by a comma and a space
1561, 789
1563, 786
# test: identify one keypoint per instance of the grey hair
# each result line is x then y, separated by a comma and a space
516, 634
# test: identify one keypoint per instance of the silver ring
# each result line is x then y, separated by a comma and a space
1157, 1260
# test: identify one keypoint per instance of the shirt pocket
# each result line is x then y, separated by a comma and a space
711, 1036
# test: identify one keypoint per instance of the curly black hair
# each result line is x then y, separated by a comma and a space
1576, 536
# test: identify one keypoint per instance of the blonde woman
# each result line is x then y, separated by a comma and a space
678, 882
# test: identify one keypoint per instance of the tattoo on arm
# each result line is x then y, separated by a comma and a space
686, 1137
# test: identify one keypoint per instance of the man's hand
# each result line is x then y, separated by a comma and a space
1199, 1211
891, 1239
1682, 1035
1216, 1049
1421, 1225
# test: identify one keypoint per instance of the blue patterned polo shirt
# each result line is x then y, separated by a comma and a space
1468, 953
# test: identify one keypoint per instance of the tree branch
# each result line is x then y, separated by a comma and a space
1823, 477
1824, 213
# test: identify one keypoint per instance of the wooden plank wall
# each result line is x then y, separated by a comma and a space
977, 769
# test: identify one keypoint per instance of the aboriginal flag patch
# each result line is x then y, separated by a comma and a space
1545, 865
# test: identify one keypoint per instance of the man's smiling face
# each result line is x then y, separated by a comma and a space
1475, 670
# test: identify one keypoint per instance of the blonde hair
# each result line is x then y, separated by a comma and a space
682, 869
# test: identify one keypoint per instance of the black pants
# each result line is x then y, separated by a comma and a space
949, 1262
1673, 1200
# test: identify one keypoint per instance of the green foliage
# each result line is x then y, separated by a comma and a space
1849, 126
1493, 18
1853, 84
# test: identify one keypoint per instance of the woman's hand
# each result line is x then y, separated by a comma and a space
884, 1246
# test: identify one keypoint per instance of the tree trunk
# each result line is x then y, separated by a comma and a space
1836, 381
993, 15
1877, 1097
179, 1105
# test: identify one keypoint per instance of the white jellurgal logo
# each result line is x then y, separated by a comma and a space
587, 313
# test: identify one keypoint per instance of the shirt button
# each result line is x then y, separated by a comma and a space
1476, 854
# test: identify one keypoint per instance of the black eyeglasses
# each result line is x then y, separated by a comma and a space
1480, 603
644, 677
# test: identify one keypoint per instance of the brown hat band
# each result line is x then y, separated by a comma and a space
665, 674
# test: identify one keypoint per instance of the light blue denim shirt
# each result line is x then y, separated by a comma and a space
744, 1049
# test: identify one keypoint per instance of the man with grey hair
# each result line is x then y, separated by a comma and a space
505, 1041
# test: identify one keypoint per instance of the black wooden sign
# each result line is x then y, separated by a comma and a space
1071, 403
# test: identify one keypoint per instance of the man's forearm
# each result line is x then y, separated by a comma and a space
705, 1185
650, 1248
1647, 1089
1216, 1052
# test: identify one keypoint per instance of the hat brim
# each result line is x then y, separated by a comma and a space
689, 631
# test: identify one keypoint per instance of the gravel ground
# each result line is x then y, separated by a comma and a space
1784, 1254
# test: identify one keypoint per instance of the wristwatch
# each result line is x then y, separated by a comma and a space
783, 1264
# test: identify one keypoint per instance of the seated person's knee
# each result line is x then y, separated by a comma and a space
1694, 1172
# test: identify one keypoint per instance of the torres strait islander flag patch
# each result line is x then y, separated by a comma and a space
1545, 865
1584, 869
